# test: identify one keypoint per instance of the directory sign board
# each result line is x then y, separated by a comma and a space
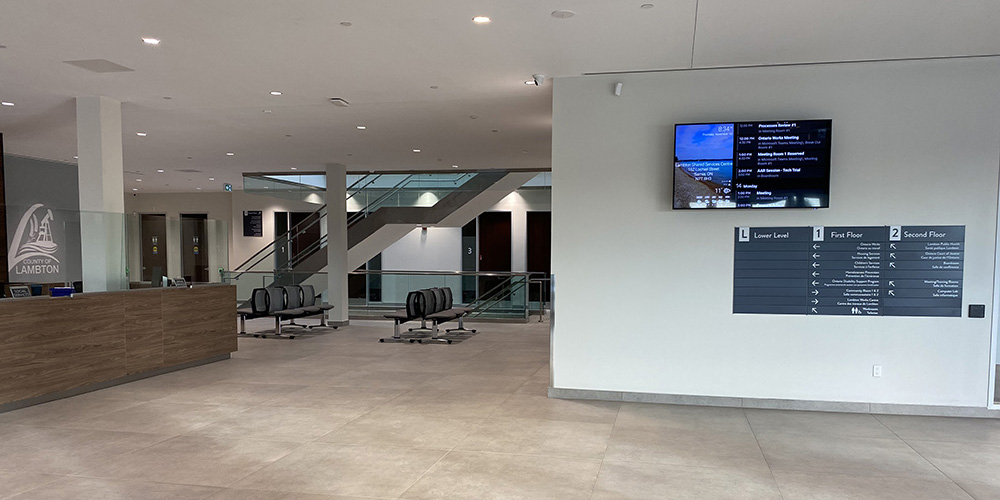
253, 223
855, 271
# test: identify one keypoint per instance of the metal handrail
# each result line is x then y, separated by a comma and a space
364, 213
444, 273
287, 235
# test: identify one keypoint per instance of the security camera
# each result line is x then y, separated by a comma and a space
539, 79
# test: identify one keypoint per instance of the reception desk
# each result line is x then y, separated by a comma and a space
54, 347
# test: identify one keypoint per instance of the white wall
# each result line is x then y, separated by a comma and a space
913, 143
244, 247
436, 249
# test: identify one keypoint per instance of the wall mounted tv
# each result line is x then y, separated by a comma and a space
767, 164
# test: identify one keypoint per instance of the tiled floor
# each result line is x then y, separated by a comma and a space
338, 416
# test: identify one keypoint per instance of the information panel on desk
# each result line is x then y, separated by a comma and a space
770, 164
858, 271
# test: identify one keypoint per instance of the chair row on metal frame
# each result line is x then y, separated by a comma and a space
286, 302
432, 304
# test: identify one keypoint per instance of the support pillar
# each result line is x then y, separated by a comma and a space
336, 243
102, 193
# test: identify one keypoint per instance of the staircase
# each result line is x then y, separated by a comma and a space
391, 205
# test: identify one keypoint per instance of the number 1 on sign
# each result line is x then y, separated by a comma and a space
818, 232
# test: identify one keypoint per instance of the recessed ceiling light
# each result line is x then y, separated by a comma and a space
140, 134
138, 180
646, 6
199, 189
294, 168
151, 41
135, 189
76, 157
563, 14
416, 150
275, 92
159, 170
362, 127
227, 154
531, 82
268, 111
481, 20
454, 166
211, 178
346, 23
6, 103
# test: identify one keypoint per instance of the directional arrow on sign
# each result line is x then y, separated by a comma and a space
815, 246
892, 292
815, 292
815, 274
892, 283
814, 310
815, 265
814, 283
892, 265
892, 255
815, 301
892, 246
815, 255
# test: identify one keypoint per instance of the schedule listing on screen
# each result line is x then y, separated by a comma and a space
764, 164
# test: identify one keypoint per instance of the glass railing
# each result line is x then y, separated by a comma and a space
403, 190
310, 188
491, 295
160, 247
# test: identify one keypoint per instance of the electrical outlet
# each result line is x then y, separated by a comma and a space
877, 370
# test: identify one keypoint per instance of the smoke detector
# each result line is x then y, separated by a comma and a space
336, 101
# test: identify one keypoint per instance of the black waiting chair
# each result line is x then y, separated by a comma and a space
415, 304
257, 309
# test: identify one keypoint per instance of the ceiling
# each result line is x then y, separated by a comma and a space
417, 74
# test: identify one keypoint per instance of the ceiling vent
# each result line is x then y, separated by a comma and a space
99, 66
336, 101
188, 170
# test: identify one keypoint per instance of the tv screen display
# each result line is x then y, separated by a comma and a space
766, 164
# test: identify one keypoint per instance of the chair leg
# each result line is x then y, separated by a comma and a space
461, 326
396, 336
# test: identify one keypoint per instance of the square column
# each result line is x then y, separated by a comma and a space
102, 193
336, 243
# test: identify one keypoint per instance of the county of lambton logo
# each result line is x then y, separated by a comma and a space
33, 250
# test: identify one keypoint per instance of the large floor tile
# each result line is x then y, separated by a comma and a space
539, 437
873, 457
233, 393
198, 460
340, 401
959, 430
981, 491
637, 481
465, 405
798, 486
12, 483
159, 416
65, 451
680, 417
332, 469
61, 412
506, 384
697, 448
813, 423
544, 408
80, 488
299, 425
963, 462
402, 429
492, 476
232, 494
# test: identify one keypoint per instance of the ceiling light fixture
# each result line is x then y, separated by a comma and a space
138, 180
211, 178
151, 41
362, 127
199, 189
346, 24
76, 157
275, 92
454, 166
159, 170
416, 150
294, 168
563, 14
140, 134
481, 20
227, 154
135, 189
646, 6
6, 103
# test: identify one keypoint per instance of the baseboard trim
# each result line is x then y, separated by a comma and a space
24, 403
776, 404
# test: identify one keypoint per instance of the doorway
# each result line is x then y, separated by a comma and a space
194, 247
494, 249
153, 234
539, 243
296, 236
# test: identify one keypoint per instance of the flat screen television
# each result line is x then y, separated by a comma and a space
766, 164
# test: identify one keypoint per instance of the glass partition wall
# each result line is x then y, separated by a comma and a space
164, 248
